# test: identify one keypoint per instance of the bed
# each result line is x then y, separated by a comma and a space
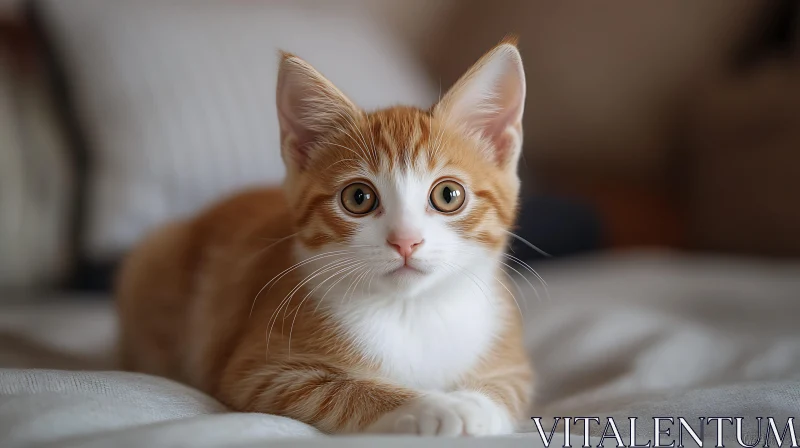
632, 334
625, 334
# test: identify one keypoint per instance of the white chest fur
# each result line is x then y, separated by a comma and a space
425, 342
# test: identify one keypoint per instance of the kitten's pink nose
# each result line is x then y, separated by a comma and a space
405, 245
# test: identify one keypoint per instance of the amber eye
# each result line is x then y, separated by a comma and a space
359, 199
447, 196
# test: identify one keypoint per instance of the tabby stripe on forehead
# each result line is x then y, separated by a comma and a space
373, 160
421, 139
388, 142
403, 153
432, 153
376, 139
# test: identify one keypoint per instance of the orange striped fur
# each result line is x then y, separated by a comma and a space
391, 321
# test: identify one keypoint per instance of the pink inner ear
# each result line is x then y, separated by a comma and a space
295, 141
298, 152
489, 100
504, 134
308, 106
503, 147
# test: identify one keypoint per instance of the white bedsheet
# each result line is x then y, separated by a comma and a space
634, 335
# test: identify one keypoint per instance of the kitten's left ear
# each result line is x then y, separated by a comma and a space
488, 102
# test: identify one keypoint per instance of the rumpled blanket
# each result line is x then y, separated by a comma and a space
641, 334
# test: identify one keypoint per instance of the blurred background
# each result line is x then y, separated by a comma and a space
661, 169
648, 124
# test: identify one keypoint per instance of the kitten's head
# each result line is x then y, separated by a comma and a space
402, 197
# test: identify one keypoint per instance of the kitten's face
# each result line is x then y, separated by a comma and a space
401, 199
413, 202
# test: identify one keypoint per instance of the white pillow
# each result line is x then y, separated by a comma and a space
35, 184
177, 101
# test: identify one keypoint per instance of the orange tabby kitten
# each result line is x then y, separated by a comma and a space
363, 296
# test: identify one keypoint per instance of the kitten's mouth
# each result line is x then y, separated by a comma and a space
404, 270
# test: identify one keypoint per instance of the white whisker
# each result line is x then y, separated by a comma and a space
309, 294
283, 273
350, 271
362, 155
288, 298
352, 282
527, 243
340, 161
532, 271
372, 139
352, 121
460, 249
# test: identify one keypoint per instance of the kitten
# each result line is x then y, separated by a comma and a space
363, 296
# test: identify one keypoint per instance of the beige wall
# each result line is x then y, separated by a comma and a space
605, 80
742, 178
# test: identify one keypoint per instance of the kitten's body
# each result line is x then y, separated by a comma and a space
282, 302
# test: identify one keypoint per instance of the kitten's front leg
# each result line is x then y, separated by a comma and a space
325, 397
337, 403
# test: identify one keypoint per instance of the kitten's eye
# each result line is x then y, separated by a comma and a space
359, 199
447, 196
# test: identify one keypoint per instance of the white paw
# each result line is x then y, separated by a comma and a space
448, 415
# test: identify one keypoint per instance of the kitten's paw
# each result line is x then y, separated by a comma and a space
448, 415
492, 419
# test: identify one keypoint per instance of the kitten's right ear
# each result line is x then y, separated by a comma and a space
308, 106
488, 102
